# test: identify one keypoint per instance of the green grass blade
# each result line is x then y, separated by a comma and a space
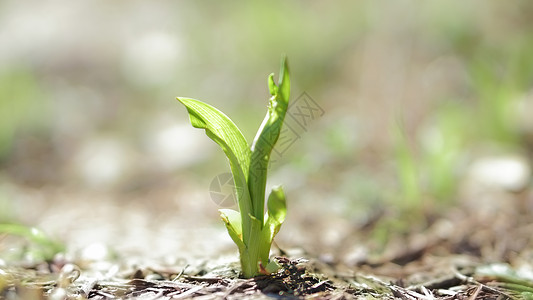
225, 133
266, 138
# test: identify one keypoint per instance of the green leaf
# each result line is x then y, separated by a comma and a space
232, 219
225, 133
284, 81
218, 126
256, 251
277, 211
266, 138
277, 206
272, 88
272, 267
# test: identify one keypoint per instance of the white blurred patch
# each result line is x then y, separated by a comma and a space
102, 162
151, 59
96, 252
24, 30
511, 173
176, 145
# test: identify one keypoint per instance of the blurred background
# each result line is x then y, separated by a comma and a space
425, 112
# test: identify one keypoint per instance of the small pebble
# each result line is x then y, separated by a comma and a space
58, 294
154, 276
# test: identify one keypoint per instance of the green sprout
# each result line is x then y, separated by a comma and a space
250, 228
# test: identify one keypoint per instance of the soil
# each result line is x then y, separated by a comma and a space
297, 279
164, 240
473, 259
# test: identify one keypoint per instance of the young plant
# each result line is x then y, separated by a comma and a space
251, 228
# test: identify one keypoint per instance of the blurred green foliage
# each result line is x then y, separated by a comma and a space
40, 246
23, 106
408, 173
365, 64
